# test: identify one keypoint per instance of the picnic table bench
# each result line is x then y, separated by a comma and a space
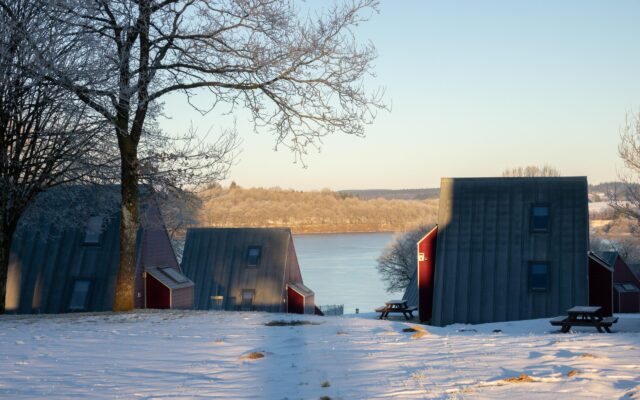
396, 306
584, 316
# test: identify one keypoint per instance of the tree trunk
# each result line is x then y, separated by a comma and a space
6, 237
125, 286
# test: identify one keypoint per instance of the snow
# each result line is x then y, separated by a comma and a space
190, 354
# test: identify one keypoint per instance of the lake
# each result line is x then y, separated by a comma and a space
341, 268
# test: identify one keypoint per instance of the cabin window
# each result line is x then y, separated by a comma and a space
93, 230
253, 256
80, 295
540, 218
539, 276
247, 298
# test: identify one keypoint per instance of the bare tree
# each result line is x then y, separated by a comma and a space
399, 260
299, 77
625, 198
531, 171
47, 136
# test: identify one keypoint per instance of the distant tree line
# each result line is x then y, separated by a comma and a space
311, 212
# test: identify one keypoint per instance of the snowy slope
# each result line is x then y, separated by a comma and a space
201, 355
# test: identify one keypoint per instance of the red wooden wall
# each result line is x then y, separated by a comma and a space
628, 302
295, 302
158, 295
426, 271
600, 287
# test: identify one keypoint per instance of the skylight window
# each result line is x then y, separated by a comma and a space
93, 230
253, 256
173, 274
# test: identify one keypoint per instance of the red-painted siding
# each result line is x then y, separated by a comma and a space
295, 302
600, 287
426, 271
628, 302
182, 299
158, 295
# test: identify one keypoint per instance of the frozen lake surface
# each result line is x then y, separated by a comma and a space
341, 268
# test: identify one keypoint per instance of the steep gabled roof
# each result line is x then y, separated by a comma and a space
48, 253
486, 241
216, 260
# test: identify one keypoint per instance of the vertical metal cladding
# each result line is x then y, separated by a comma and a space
47, 259
216, 260
486, 245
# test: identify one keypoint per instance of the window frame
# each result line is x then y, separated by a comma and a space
253, 298
532, 228
548, 276
258, 258
87, 299
98, 242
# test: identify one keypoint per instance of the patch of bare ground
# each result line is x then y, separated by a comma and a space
417, 330
254, 355
519, 379
290, 323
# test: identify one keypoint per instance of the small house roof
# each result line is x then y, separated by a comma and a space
301, 288
603, 261
217, 261
608, 256
169, 277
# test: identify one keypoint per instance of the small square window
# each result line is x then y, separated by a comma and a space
539, 276
93, 230
540, 218
253, 256
247, 298
80, 295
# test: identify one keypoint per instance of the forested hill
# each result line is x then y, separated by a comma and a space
312, 212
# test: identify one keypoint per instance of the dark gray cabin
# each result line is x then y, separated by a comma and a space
55, 269
510, 249
411, 292
246, 269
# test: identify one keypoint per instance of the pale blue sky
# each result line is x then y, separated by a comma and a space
475, 87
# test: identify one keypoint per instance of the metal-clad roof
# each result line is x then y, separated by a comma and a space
601, 261
608, 256
46, 260
485, 244
48, 256
411, 292
301, 289
170, 277
216, 260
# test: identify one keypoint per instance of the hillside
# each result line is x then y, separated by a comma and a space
312, 212
236, 355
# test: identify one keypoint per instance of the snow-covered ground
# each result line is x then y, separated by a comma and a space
204, 355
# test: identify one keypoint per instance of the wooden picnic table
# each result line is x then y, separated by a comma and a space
584, 316
396, 306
